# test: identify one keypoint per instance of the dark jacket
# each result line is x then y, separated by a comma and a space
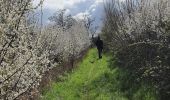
99, 44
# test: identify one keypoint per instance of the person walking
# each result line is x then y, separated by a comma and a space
99, 45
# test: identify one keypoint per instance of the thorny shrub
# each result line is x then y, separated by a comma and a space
137, 31
26, 51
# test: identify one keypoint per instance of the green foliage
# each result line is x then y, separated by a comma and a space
149, 62
93, 80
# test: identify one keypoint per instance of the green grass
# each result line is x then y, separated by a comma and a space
93, 80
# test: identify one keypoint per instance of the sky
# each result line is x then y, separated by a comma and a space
77, 8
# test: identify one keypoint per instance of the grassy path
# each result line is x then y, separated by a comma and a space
91, 80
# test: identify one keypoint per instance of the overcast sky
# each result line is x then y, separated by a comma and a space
76, 8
